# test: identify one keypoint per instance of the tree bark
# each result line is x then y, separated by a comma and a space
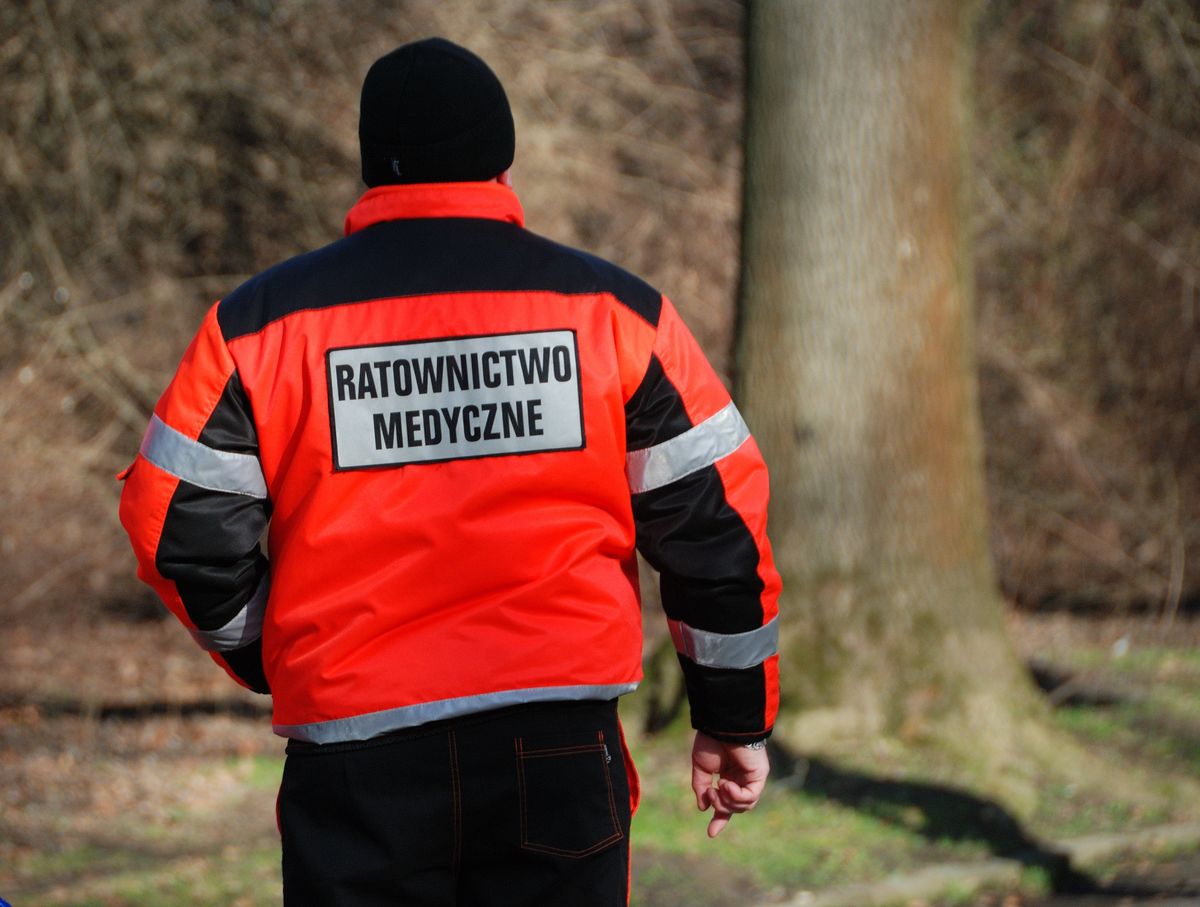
856, 372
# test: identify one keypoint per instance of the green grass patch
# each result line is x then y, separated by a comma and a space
67, 862
1035, 881
1154, 735
1145, 662
246, 879
1066, 810
858, 815
1154, 732
793, 839
261, 772
1160, 725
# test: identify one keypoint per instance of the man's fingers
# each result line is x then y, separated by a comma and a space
727, 778
701, 785
724, 803
738, 795
727, 797
719, 820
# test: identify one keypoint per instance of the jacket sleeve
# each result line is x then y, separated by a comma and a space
195, 505
699, 492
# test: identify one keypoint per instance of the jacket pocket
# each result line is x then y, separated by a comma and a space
566, 794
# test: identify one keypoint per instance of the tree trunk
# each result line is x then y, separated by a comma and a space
856, 372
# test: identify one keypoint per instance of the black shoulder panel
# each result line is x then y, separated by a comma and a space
633, 292
231, 425
655, 413
422, 257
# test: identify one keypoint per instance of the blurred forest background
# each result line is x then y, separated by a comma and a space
154, 154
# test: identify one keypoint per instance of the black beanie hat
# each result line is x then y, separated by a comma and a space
433, 112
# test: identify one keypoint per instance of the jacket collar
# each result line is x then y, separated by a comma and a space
487, 200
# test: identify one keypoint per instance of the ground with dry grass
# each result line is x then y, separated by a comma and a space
137, 773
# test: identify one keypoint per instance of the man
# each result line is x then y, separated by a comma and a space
457, 431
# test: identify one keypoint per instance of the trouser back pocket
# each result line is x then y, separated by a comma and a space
566, 792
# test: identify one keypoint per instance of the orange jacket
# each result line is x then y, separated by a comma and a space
457, 432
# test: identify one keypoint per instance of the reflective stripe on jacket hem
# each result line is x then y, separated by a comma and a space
372, 724
726, 650
701, 445
201, 465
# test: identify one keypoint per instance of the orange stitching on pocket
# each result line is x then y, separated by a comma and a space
456, 795
521, 790
561, 750
601, 750
575, 854
612, 806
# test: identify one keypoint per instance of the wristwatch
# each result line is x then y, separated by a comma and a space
756, 745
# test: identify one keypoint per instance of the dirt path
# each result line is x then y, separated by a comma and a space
1172, 883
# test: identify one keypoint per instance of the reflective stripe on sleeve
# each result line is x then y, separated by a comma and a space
201, 465
701, 445
372, 724
245, 627
726, 650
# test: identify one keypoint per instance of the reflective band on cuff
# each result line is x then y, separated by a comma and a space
726, 650
701, 445
372, 724
243, 629
201, 465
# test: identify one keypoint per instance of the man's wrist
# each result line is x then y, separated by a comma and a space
736, 739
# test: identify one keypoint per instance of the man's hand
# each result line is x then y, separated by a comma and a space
742, 771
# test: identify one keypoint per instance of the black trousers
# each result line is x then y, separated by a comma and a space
523, 805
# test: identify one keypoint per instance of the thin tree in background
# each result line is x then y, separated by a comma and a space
856, 371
